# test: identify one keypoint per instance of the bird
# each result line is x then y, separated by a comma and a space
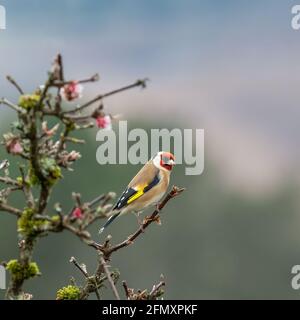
146, 188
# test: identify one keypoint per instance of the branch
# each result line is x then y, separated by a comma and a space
94, 282
10, 209
111, 282
59, 61
9, 181
108, 250
11, 105
60, 84
74, 140
126, 289
83, 270
83, 235
154, 294
138, 83
14, 83
78, 266
155, 290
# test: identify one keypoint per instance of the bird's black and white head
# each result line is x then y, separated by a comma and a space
164, 161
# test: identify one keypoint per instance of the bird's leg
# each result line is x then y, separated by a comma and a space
157, 208
157, 217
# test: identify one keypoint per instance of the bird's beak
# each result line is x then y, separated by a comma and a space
171, 162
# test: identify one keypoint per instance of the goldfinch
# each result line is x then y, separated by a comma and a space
146, 188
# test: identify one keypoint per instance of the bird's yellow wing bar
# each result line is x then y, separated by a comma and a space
133, 193
140, 192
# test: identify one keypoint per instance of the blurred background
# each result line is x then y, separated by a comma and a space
228, 67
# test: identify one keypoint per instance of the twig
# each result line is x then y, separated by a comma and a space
97, 290
77, 265
49, 82
156, 288
11, 105
10, 209
60, 84
14, 83
96, 200
73, 260
155, 293
74, 140
9, 181
104, 197
111, 282
138, 83
126, 289
61, 66
77, 197
83, 235
62, 141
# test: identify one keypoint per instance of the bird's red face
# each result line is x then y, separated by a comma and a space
167, 160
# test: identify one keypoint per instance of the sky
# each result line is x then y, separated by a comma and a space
228, 67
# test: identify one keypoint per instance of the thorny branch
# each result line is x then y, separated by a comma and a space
44, 157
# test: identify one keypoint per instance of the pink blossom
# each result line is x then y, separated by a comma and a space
77, 213
104, 122
14, 147
71, 91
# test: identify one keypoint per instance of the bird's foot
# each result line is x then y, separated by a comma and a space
147, 220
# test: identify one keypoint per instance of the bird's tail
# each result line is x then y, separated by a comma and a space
109, 221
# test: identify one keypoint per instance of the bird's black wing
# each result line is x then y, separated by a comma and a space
133, 193
129, 192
